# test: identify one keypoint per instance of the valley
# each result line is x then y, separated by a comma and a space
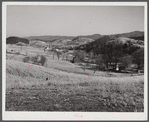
64, 85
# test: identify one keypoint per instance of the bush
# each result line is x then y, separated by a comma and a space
80, 55
38, 59
17, 53
26, 59
34, 59
42, 59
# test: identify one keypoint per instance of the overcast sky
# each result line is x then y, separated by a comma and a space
31, 20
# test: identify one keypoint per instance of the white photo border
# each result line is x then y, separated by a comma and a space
13, 115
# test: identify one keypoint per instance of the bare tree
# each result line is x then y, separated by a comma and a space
56, 51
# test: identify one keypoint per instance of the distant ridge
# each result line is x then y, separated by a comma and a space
139, 35
49, 38
14, 40
94, 36
73, 40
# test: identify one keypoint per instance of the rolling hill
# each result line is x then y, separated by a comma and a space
82, 40
126, 40
49, 38
69, 88
138, 35
14, 40
94, 36
37, 43
60, 41
64, 40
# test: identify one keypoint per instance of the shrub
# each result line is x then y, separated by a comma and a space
17, 53
34, 59
38, 59
26, 59
41, 59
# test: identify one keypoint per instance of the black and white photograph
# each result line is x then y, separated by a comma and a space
74, 60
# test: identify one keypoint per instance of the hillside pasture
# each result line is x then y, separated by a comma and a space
63, 86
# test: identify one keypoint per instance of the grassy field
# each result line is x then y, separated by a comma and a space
63, 86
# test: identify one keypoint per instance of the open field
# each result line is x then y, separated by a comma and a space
63, 86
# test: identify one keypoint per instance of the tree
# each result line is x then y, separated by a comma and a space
138, 58
129, 48
117, 51
112, 52
99, 63
80, 55
126, 61
97, 46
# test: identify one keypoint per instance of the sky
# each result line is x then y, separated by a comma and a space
33, 20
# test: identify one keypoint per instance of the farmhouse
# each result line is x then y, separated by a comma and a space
115, 67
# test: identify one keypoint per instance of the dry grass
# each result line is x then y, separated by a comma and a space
68, 88
109, 93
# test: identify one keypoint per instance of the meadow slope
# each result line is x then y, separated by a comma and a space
35, 88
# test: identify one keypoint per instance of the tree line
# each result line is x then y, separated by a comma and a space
106, 51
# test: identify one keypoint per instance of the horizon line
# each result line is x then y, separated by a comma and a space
76, 35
